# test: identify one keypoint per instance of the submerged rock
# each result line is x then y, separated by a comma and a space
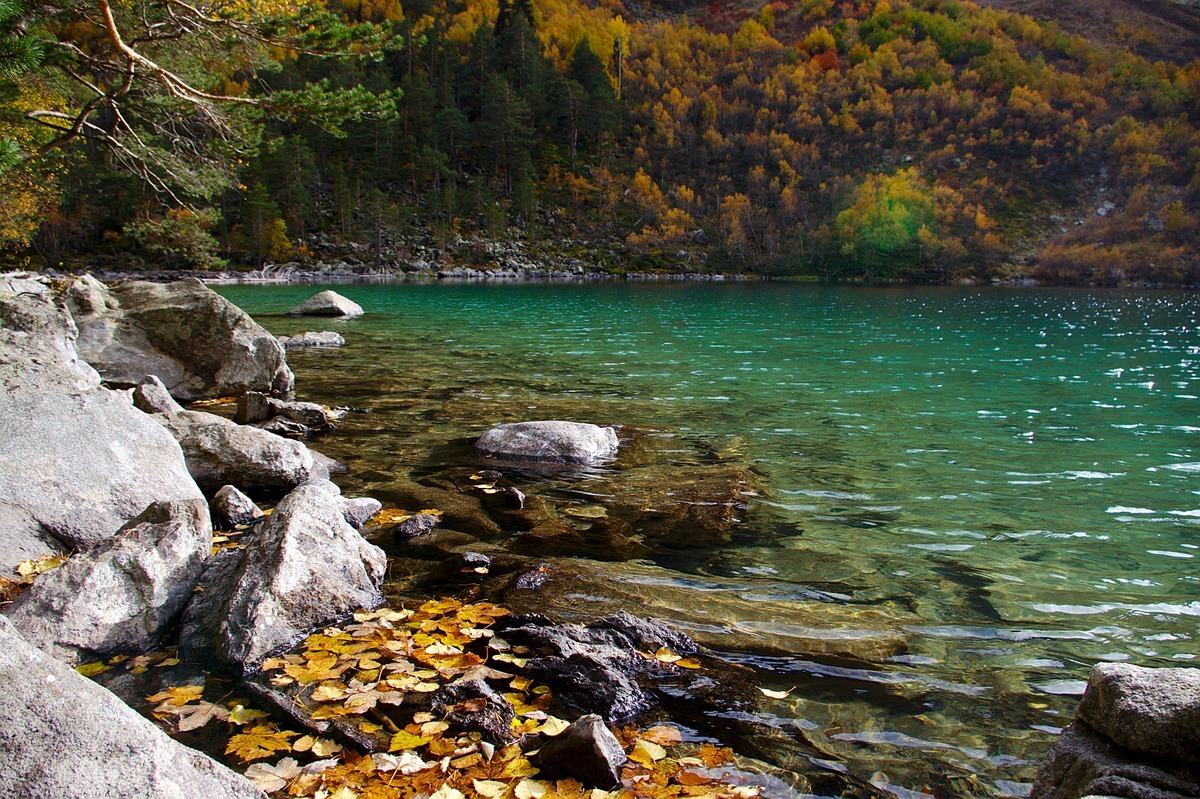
327, 303
77, 461
64, 736
197, 342
220, 452
324, 338
121, 595
1135, 735
787, 626
549, 442
306, 567
359, 510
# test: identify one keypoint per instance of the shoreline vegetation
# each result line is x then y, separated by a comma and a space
925, 141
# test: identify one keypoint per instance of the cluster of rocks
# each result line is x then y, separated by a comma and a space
123, 477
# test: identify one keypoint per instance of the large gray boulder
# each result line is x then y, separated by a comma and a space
65, 737
327, 303
220, 452
305, 568
1136, 734
1151, 711
77, 461
549, 442
119, 596
197, 342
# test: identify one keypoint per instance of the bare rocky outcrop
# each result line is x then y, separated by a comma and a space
1136, 735
77, 460
327, 303
220, 452
303, 569
197, 342
64, 736
119, 596
549, 442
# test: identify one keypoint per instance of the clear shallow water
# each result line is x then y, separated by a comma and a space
1014, 471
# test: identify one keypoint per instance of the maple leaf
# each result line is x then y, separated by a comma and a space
258, 742
647, 753
178, 695
663, 735
193, 717
316, 670
273, 778
407, 763
404, 741
244, 715
714, 756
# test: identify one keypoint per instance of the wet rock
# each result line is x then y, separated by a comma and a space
415, 525
587, 750
283, 427
301, 570
359, 510
151, 396
77, 461
198, 343
252, 407
552, 442
220, 452
324, 338
464, 567
474, 706
606, 538
64, 736
1151, 711
459, 511
315, 417
119, 596
230, 508
1084, 763
327, 463
597, 668
327, 303
1135, 735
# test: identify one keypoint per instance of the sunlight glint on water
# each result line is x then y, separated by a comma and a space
1016, 467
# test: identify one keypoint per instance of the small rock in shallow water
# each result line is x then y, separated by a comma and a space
327, 303
549, 442
357, 511
587, 750
415, 525
324, 338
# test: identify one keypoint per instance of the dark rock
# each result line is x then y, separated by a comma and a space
303, 569
327, 303
197, 342
317, 418
359, 510
77, 461
415, 525
1152, 711
283, 427
464, 567
151, 396
549, 442
220, 452
252, 407
587, 750
230, 508
119, 596
473, 705
324, 338
64, 736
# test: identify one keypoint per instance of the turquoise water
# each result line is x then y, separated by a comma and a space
1010, 473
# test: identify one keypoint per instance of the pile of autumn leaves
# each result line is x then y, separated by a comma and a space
378, 673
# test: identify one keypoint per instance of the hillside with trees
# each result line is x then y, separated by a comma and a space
921, 140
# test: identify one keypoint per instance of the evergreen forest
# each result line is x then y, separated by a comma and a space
914, 140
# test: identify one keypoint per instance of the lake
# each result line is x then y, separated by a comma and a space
967, 496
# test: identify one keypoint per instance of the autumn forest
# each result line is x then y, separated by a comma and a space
917, 140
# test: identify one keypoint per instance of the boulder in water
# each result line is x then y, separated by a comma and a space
549, 442
323, 338
327, 303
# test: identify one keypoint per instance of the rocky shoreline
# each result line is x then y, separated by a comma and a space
97, 455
